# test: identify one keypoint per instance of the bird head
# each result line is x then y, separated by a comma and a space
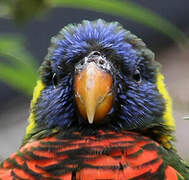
99, 75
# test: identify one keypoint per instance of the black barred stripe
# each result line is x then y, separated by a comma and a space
57, 169
16, 177
160, 173
123, 142
150, 146
120, 167
46, 148
57, 143
116, 157
24, 168
72, 135
91, 151
36, 157
135, 154
147, 176
148, 163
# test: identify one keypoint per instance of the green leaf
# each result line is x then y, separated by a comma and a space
126, 9
4, 10
16, 78
18, 68
21, 10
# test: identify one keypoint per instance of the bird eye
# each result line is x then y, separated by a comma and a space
137, 76
54, 80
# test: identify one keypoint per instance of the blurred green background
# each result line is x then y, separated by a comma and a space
27, 26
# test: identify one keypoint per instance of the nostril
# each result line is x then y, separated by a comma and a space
96, 53
101, 61
95, 56
82, 62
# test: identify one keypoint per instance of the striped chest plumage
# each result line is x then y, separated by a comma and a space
105, 156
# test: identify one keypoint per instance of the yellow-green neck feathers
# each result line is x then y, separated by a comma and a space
36, 94
168, 115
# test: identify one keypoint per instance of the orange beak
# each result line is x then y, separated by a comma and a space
93, 93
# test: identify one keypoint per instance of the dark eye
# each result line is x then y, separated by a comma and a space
54, 80
137, 76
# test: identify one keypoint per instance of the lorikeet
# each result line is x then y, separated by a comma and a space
100, 111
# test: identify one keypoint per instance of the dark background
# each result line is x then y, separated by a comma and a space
14, 106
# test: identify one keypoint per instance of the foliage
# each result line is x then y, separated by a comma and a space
126, 9
21, 10
20, 69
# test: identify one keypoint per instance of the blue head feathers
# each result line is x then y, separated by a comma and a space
138, 103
